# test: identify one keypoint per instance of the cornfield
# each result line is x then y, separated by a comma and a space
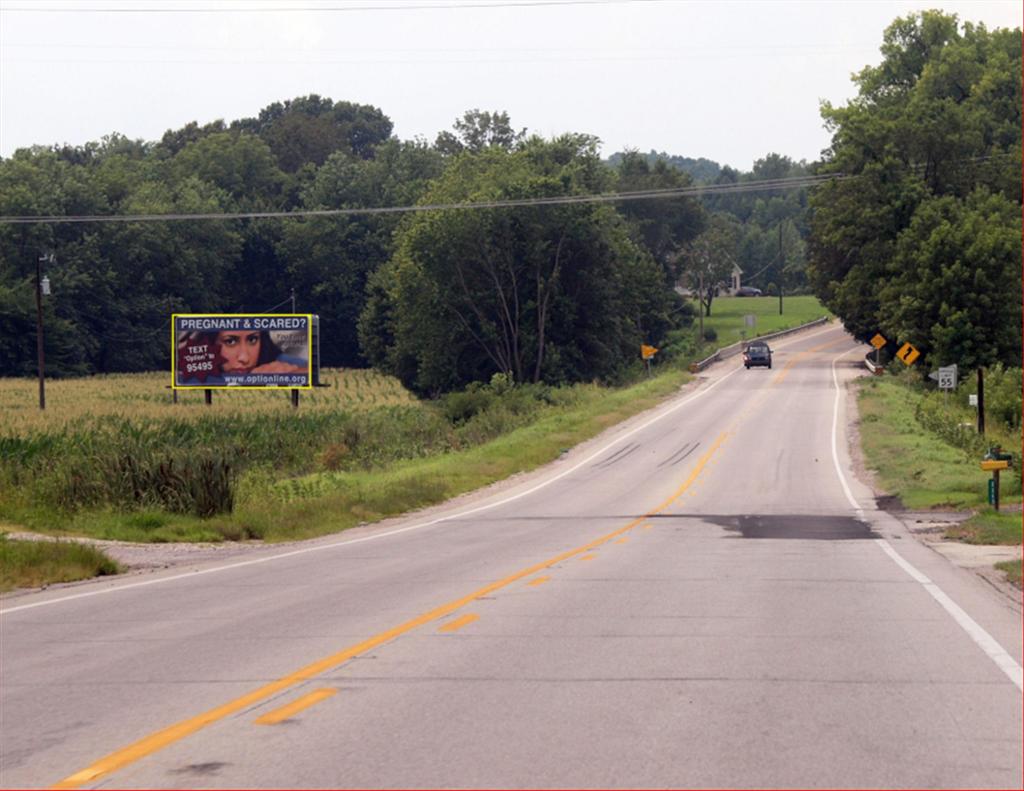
147, 397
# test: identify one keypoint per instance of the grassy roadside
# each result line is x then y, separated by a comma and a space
348, 468
30, 564
727, 323
989, 527
275, 508
1012, 569
925, 472
328, 502
728, 314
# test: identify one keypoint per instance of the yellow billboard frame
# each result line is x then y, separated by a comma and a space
309, 345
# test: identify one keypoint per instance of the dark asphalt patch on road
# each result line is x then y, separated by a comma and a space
799, 526
201, 770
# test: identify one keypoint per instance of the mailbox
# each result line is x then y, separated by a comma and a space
996, 453
994, 461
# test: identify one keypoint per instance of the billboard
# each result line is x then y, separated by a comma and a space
255, 350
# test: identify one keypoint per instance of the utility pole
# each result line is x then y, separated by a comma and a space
293, 300
40, 354
981, 401
700, 307
782, 265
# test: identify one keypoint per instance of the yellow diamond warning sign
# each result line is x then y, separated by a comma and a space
907, 354
878, 341
647, 352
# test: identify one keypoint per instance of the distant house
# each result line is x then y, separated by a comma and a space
735, 278
721, 288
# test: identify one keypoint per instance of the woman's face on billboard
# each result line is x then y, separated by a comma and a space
240, 350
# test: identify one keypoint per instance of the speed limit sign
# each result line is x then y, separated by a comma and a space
947, 377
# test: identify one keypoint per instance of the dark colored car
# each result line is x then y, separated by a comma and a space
757, 353
748, 291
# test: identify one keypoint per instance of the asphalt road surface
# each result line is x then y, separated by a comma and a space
704, 596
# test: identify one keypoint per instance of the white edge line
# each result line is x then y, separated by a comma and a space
975, 631
114, 588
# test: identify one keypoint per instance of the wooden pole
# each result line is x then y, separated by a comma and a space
782, 264
40, 354
981, 401
700, 309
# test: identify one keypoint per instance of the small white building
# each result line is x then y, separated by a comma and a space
735, 279
721, 288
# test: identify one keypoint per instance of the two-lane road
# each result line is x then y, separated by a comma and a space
705, 596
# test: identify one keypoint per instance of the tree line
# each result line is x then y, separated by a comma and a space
922, 241
440, 299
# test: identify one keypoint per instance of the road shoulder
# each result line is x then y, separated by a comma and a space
929, 527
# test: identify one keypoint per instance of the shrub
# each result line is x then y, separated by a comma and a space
933, 414
460, 406
1002, 394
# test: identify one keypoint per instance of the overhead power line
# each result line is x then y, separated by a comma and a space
764, 185
312, 9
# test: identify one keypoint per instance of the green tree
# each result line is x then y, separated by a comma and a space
709, 259
477, 130
544, 293
663, 225
930, 146
329, 259
954, 263
42, 181
308, 129
240, 164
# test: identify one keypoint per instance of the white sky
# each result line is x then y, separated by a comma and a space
730, 81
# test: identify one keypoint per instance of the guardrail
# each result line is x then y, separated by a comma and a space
735, 348
877, 370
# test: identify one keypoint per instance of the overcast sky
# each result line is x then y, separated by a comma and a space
730, 81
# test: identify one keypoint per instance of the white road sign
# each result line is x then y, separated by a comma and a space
947, 377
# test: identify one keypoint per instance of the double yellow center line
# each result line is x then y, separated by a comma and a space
799, 356
163, 738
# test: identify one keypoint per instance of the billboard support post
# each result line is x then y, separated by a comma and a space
208, 397
295, 398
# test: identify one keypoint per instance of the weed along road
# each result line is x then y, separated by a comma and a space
704, 596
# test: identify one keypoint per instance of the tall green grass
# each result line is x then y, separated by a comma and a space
29, 564
115, 477
923, 465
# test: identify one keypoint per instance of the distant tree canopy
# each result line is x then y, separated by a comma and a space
309, 129
115, 285
760, 215
553, 293
701, 171
587, 283
663, 226
923, 243
476, 131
